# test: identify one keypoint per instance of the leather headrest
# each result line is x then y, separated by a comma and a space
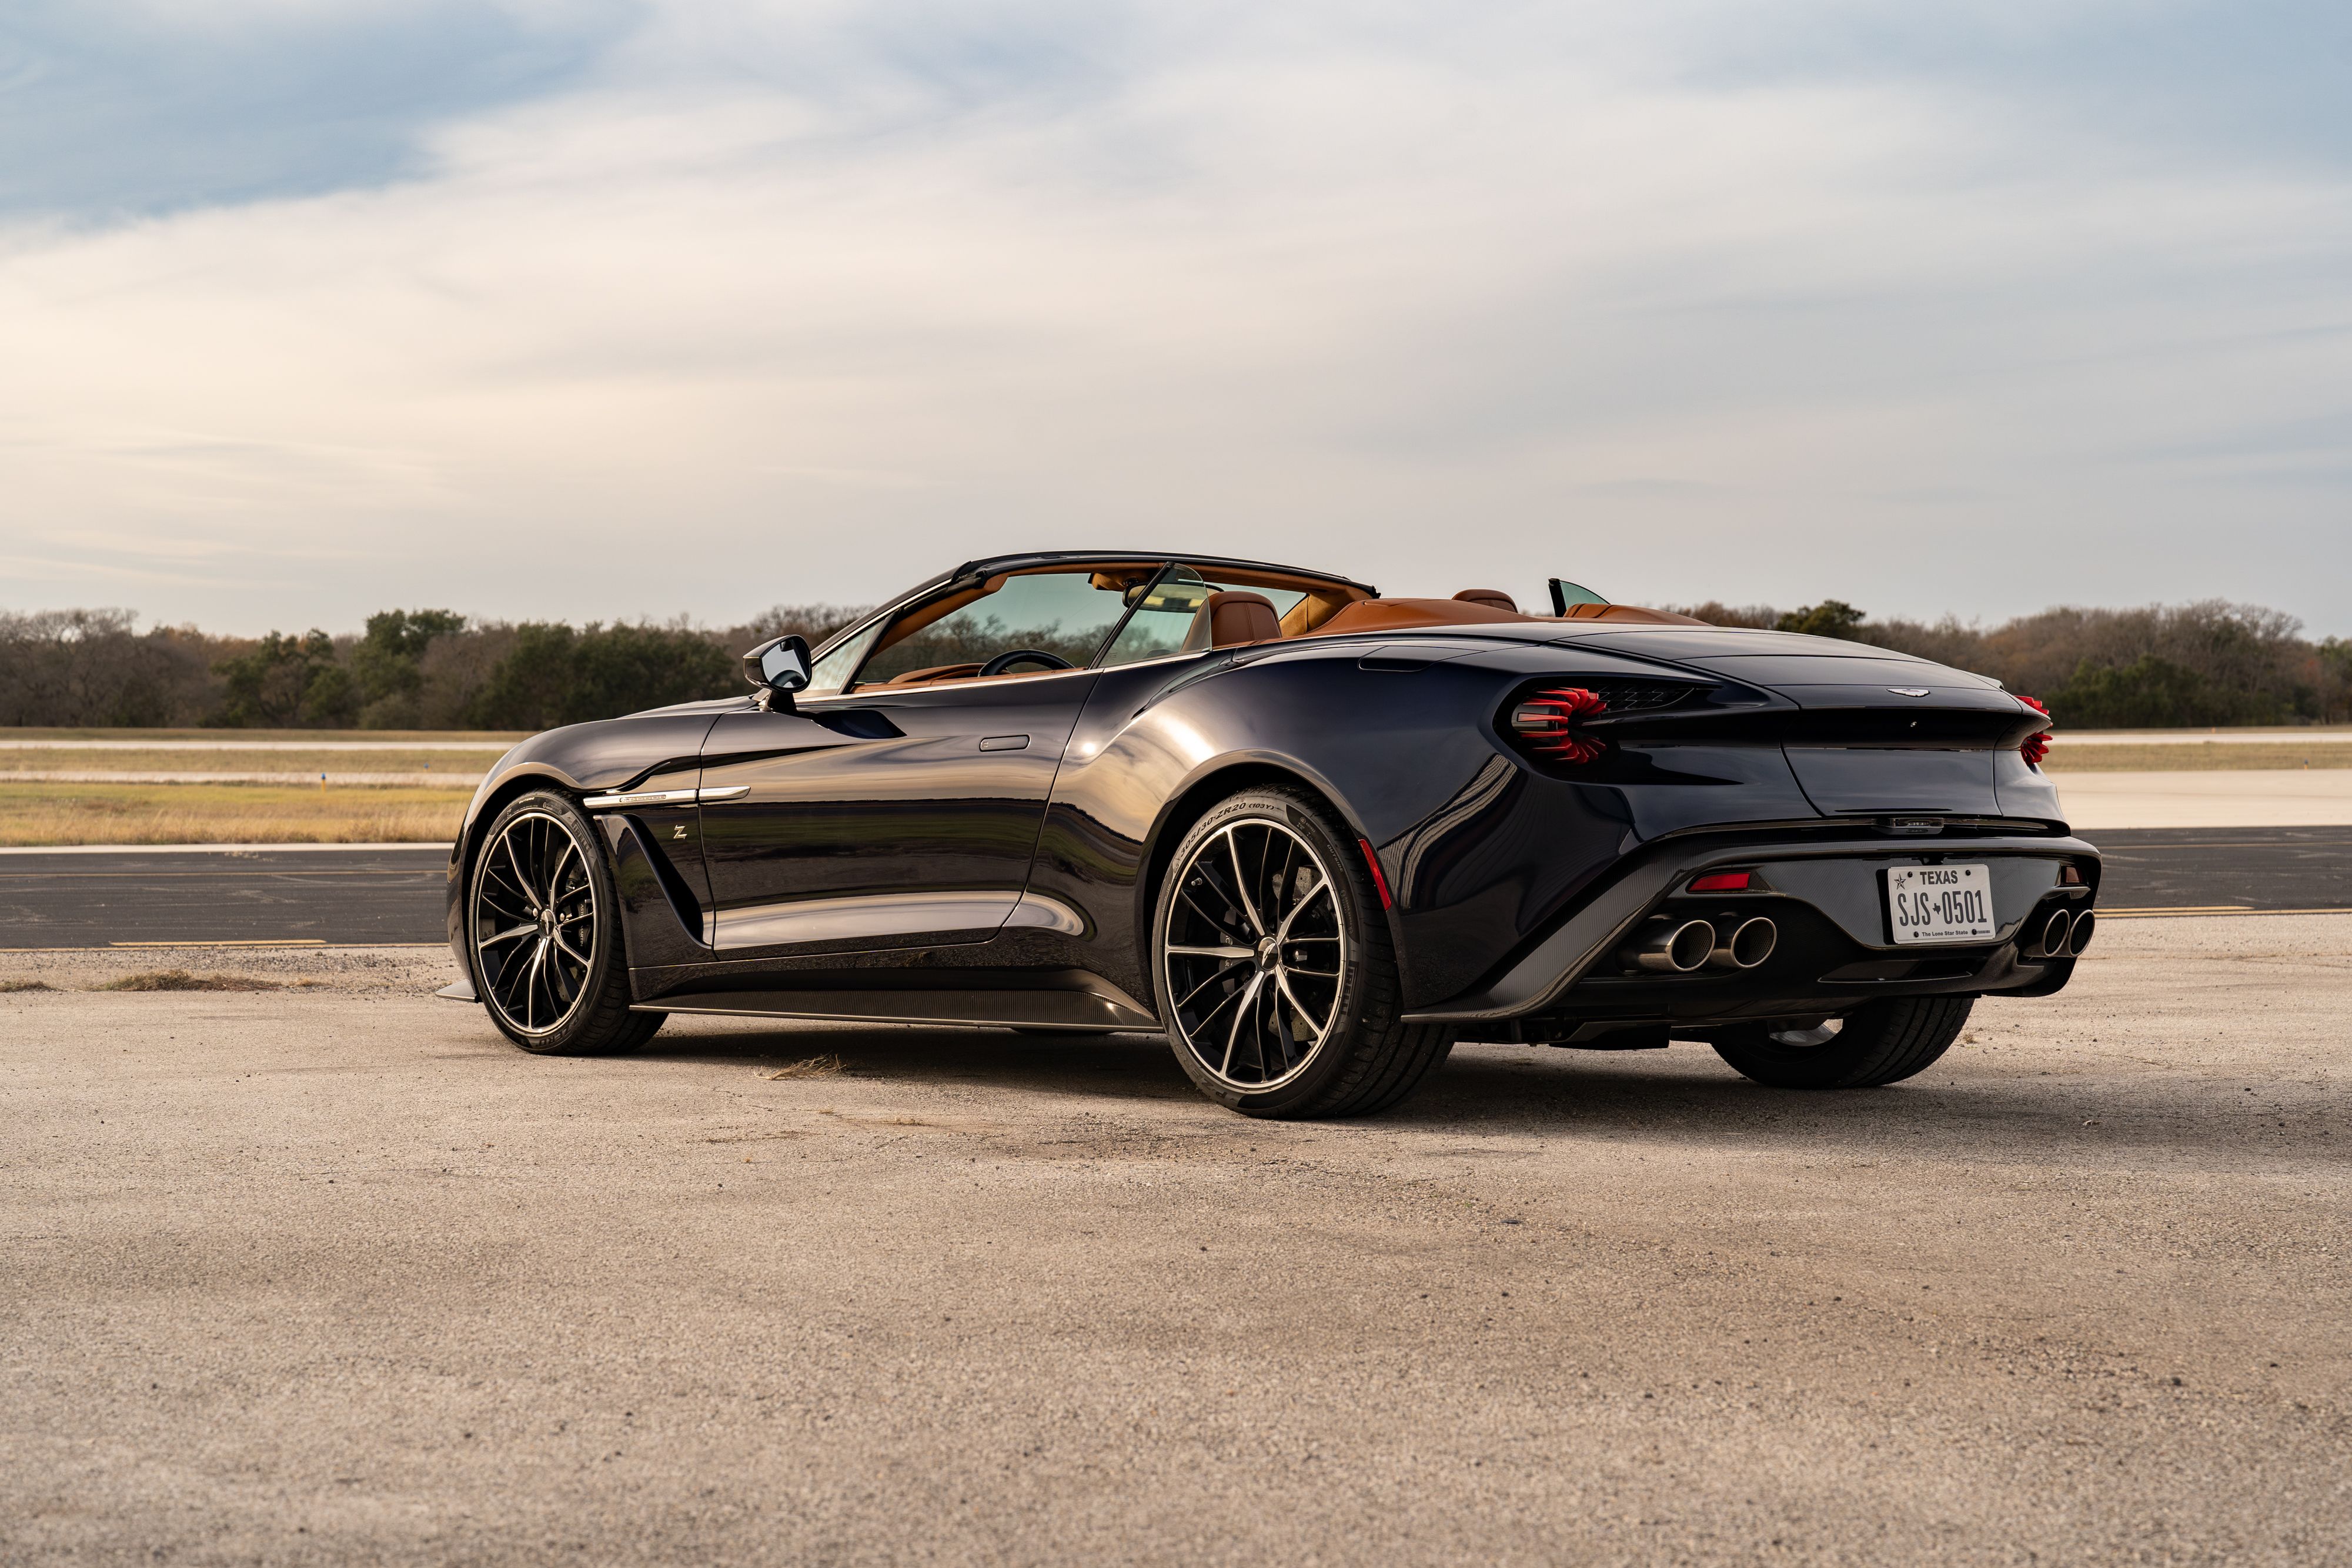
1494, 596
1230, 619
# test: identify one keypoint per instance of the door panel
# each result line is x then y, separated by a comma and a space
891, 818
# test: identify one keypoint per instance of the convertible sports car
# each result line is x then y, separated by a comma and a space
1314, 835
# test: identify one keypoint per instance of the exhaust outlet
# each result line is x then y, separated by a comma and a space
2080, 938
1746, 945
1671, 947
2054, 932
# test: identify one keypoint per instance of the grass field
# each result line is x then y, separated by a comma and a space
39, 814
2208, 757
467, 766
488, 739
44, 810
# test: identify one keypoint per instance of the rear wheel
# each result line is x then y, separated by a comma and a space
543, 920
1883, 1042
1277, 979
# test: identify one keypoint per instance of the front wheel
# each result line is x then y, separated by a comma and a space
543, 922
1882, 1041
1277, 979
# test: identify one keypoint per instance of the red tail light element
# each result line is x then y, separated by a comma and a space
1380, 878
1546, 724
1723, 882
2034, 747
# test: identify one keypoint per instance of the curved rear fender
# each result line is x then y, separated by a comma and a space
1160, 743
1219, 779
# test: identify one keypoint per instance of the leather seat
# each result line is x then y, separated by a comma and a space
1492, 596
1230, 619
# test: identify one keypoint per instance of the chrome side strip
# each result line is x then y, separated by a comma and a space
663, 797
1036, 910
644, 798
863, 917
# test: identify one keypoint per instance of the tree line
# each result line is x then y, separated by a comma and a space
409, 669
2159, 666
2190, 665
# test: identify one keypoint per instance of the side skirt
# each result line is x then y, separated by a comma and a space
1087, 1003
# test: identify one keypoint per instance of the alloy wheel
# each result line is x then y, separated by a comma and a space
1254, 956
535, 926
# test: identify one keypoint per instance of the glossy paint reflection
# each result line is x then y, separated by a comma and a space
886, 818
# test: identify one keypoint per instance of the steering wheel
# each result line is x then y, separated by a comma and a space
1003, 662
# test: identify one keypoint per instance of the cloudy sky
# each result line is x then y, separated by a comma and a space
620, 307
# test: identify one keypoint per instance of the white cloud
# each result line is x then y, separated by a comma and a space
794, 302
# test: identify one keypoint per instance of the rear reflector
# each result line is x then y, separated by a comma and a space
1379, 879
2071, 876
1723, 882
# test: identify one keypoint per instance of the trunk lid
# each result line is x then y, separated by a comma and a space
1876, 732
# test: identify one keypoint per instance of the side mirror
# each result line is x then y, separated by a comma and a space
778, 668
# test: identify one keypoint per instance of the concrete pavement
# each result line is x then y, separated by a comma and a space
2248, 798
335, 1275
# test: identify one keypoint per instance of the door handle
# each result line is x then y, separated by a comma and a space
1003, 743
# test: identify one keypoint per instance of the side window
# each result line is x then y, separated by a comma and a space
1062, 616
831, 673
1162, 619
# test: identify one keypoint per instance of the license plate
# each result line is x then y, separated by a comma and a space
1940, 904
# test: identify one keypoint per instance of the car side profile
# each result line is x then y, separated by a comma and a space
1314, 835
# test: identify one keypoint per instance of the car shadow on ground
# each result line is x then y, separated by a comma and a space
1958, 1108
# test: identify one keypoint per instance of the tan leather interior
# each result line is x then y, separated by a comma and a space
936, 673
1632, 612
1402, 615
1491, 596
1228, 619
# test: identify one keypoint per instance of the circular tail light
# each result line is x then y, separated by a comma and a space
1546, 724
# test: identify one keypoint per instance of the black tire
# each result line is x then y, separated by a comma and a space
1882, 1041
542, 854
1366, 1058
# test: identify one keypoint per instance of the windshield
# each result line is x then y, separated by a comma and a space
1064, 613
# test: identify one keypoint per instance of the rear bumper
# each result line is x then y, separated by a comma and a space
1571, 973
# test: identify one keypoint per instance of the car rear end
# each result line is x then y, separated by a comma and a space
1807, 829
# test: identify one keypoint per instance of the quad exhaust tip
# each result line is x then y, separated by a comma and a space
1672, 947
2054, 932
1745, 946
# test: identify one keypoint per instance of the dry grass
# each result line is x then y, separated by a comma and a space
459, 765
12, 988
2203, 756
34, 814
813, 1067
180, 980
490, 739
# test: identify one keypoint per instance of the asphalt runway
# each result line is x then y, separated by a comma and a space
334, 897
393, 894
2210, 868
334, 1275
